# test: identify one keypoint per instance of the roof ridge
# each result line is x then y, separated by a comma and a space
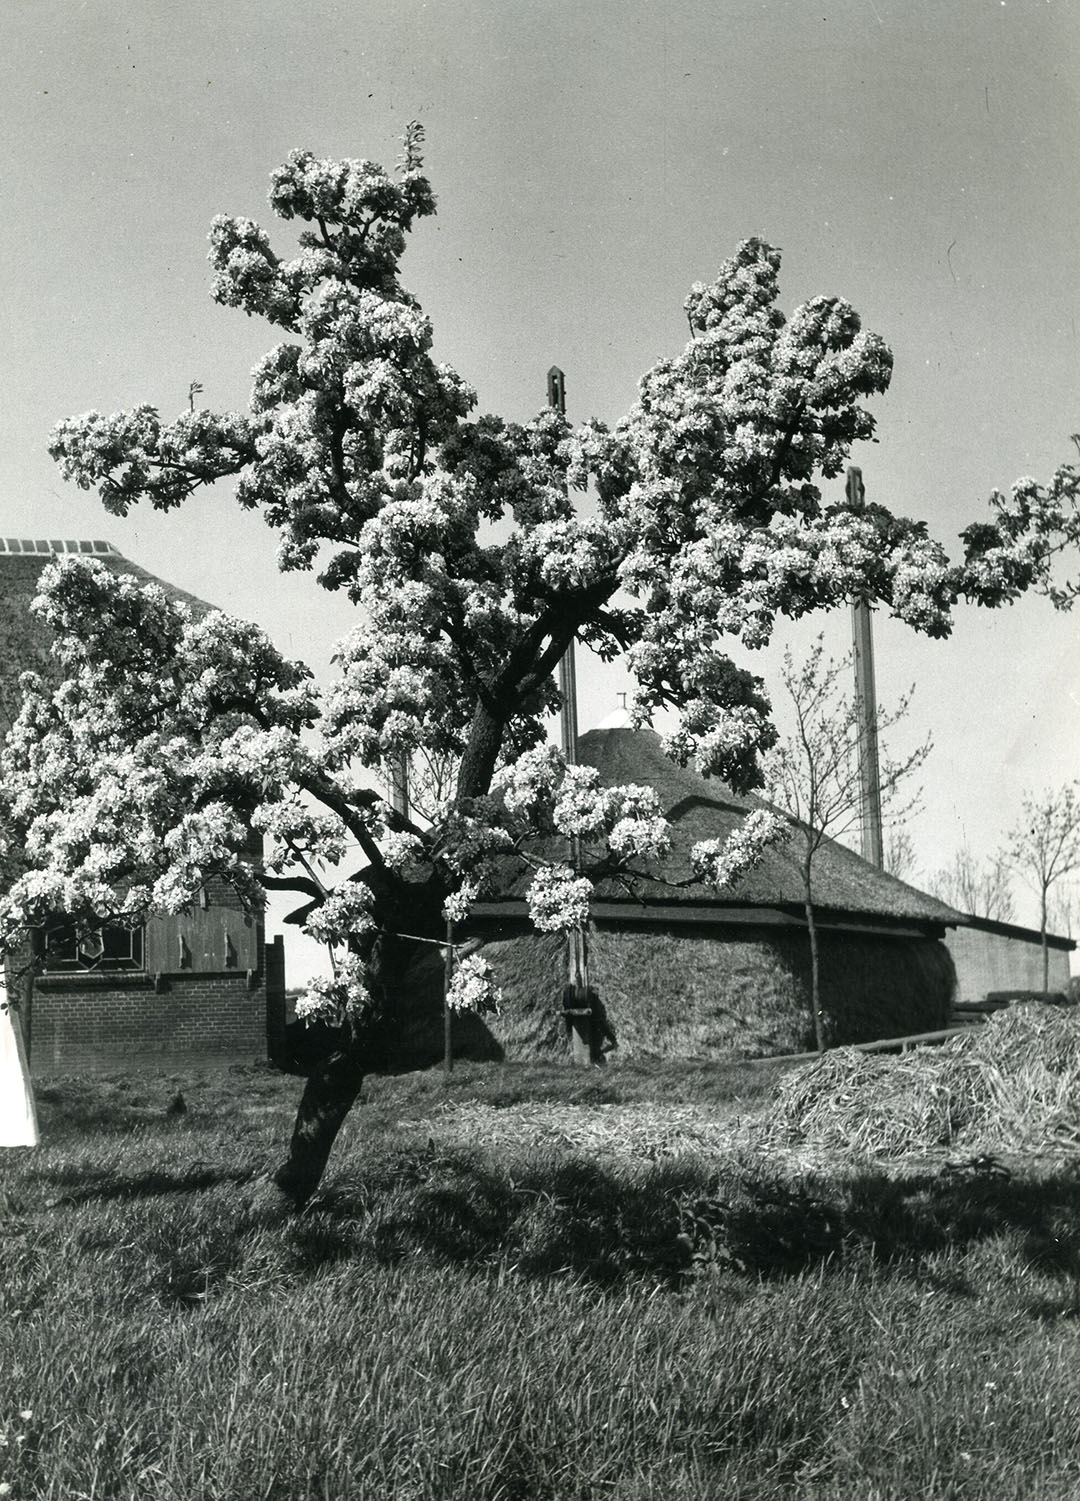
17, 547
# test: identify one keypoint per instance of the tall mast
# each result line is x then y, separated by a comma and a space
866, 704
398, 779
556, 395
577, 1002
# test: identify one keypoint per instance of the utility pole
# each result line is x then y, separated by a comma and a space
556, 393
399, 783
866, 704
577, 1001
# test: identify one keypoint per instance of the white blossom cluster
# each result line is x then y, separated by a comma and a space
473, 987
724, 862
558, 899
567, 554
400, 849
344, 913
530, 782
580, 804
629, 816
334, 998
292, 828
641, 836
458, 904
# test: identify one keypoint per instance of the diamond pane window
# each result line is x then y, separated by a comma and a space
111, 948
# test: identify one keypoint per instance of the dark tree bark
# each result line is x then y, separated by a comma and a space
815, 960
405, 912
328, 1096
481, 753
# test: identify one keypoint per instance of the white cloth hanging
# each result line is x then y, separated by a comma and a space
18, 1118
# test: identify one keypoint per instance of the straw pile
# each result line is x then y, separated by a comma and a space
1011, 1085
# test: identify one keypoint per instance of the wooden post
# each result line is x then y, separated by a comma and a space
577, 1000
274, 974
448, 1015
23, 1017
399, 784
34, 964
577, 1003
866, 705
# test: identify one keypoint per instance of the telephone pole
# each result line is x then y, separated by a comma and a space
577, 1001
866, 704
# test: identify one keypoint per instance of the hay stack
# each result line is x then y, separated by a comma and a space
1011, 1085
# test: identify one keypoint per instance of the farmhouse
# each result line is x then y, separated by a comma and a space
198, 988
677, 969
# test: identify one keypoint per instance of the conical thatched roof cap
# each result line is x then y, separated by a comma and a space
703, 808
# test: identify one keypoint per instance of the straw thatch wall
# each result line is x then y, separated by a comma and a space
683, 972
673, 991
679, 991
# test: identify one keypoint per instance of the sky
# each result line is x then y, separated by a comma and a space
592, 160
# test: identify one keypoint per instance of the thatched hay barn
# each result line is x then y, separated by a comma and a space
683, 972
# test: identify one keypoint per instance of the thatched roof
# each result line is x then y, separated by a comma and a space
704, 808
24, 640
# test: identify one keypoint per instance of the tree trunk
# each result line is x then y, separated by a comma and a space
328, 1096
1045, 945
815, 966
370, 1043
481, 753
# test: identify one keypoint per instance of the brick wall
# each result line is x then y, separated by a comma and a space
81, 1020
105, 1023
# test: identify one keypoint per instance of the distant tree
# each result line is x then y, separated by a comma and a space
900, 858
814, 774
432, 778
1044, 847
1063, 909
979, 888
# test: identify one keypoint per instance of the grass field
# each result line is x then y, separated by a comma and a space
531, 1283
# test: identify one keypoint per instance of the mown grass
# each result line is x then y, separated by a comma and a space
499, 1323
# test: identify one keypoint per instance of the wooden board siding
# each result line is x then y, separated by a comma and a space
217, 940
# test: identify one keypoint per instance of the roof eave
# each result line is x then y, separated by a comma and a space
732, 915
